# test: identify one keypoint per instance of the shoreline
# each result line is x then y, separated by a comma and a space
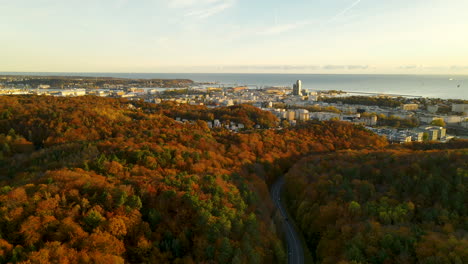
417, 86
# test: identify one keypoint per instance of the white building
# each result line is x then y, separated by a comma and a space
453, 119
460, 108
302, 114
417, 136
74, 92
410, 107
432, 108
323, 116
434, 132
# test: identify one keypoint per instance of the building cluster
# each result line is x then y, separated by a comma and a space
294, 115
409, 135
235, 127
292, 105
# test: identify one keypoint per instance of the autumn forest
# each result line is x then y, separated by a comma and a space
103, 180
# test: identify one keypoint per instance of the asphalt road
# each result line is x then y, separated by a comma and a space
295, 250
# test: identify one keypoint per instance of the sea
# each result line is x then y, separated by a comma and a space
432, 86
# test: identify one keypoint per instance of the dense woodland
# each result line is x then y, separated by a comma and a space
103, 180
247, 115
404, 205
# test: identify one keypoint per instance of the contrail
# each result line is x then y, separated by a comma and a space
342, 12
276, 29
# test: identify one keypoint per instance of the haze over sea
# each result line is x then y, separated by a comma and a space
433, 86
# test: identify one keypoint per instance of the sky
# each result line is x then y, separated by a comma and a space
239, 36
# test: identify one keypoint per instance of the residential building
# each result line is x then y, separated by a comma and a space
453, 119
416, 136
74, 92
410, 107
302, 115
427, 119
460, 108
291, 115
434, 132
323, 116
369, 120
432, 108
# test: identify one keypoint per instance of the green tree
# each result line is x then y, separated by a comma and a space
134, 202
425, 136
438, 122
354, 207
93, 219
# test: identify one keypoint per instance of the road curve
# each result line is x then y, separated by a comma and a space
295, 251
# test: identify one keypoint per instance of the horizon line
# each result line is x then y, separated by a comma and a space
4, 73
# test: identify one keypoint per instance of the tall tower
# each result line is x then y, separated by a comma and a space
297, 88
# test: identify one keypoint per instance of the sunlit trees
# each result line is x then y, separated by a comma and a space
438, 122
91, 179
398, 206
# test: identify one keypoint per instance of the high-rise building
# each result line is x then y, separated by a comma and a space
297, 88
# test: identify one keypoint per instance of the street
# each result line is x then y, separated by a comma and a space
295, 251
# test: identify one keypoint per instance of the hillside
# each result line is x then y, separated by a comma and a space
104, 180
394, 206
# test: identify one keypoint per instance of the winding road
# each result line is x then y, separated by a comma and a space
295, 250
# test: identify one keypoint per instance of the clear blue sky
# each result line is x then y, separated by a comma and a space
317, 36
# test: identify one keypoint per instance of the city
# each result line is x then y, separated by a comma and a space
429, 119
